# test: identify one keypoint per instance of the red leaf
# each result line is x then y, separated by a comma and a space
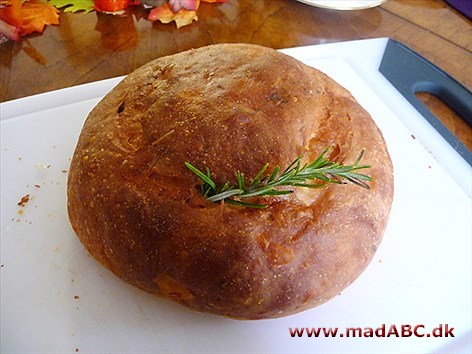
11, 13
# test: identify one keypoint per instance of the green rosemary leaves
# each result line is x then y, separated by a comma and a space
314, 175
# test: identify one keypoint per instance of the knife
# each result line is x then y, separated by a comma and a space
410, 73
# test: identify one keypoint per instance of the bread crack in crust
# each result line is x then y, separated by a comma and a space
138, 210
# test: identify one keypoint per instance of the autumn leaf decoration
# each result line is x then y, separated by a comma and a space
73, 5
183, 12
19, 18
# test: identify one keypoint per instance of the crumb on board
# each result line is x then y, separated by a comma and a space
76, 350
20, 212
77, 297
37, 186
42, 165
24, 200
64, 171
414, 137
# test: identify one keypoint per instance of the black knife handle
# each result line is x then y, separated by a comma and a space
410, 73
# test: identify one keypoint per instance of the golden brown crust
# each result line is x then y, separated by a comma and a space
136, 208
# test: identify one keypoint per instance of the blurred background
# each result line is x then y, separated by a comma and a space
87, 47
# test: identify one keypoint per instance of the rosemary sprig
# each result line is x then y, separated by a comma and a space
321, 170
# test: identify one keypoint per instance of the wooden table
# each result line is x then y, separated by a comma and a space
95, 46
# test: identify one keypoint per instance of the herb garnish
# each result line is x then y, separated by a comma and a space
322, 170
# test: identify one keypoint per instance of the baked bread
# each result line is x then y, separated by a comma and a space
139, 211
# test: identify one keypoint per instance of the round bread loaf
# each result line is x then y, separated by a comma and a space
139, 211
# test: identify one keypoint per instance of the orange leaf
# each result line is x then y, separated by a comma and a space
36, 15
165, 15
162, 13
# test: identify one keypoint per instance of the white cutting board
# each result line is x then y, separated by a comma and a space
55, 298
